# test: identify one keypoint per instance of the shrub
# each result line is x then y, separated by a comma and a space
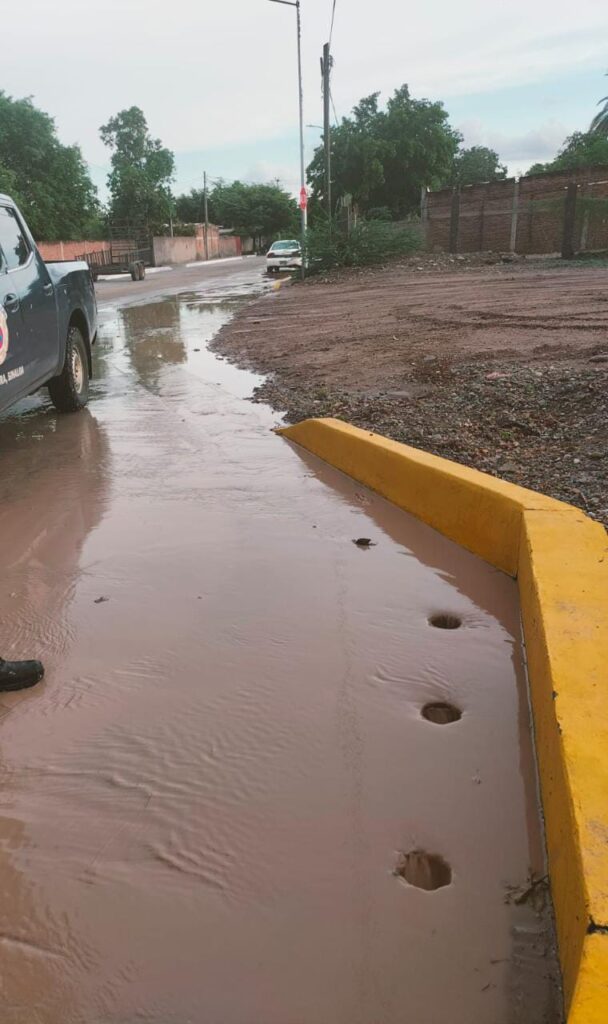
370, 242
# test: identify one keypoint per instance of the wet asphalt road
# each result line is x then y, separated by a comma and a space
203, 805
164, 281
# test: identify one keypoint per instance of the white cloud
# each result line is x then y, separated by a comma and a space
539, 144
263, 171
210, 74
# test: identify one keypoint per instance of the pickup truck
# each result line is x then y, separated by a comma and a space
48, 319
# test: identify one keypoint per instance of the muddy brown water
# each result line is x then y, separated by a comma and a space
211, 807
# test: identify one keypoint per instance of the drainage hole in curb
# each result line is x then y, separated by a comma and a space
443, 620
441, 714
423, 870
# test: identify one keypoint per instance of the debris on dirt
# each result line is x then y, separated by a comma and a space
492, 365
101, 600
362, 498
534, 893
364, 542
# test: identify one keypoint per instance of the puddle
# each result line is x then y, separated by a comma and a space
176, 330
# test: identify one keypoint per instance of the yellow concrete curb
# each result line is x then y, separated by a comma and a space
560, 558
277, 285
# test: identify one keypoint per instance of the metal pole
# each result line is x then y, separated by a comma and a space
302, 169
296, 4
206, 217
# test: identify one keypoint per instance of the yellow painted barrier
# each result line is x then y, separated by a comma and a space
560, 558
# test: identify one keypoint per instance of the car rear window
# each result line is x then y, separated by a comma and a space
284, 245
12, 242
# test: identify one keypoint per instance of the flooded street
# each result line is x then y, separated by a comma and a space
223, 805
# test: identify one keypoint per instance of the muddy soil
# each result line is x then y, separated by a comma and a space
225, 803
501, 367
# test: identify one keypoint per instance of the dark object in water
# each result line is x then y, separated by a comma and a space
364, 542
18, 675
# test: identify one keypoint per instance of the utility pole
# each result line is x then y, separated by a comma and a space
325, 71
302, 170
206, 216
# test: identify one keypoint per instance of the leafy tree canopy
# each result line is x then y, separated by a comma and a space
476, 164
599, 125
382, 158
259, 211
190, 207
581, 149
142, 171
50, 181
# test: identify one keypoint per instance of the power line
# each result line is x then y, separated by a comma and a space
333, 107
194, 183
333, 15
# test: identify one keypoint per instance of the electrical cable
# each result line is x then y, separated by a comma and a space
332, 25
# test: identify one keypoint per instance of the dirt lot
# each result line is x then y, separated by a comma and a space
503, 367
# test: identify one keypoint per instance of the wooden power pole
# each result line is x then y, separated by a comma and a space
326, 71
206, 216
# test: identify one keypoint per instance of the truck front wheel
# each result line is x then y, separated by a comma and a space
70, 390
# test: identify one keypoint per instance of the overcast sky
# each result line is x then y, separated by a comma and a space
217, 78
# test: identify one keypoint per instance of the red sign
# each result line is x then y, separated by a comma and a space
303, 198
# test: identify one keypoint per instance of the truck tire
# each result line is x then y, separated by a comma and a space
133, 271
70, 390
142, 271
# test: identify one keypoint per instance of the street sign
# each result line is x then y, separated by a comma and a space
303, 198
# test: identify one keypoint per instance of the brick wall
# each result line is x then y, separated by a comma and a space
70, 250
525, 216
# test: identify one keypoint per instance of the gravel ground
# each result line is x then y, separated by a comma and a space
502, 366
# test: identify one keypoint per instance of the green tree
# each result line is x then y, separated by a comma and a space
262, 211
142, 171
382, 158
476, 164
190, 207
600, 121
581, 149
50, 181
9, 184
259, 211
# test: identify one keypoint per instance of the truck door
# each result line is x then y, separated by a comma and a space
12, 355
31, 303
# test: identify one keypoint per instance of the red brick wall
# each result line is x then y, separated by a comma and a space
485, 216
70, 250
486, 213
592, 215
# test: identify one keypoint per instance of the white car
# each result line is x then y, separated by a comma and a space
286, 255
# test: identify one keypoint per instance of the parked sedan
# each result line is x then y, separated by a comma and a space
286, 255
